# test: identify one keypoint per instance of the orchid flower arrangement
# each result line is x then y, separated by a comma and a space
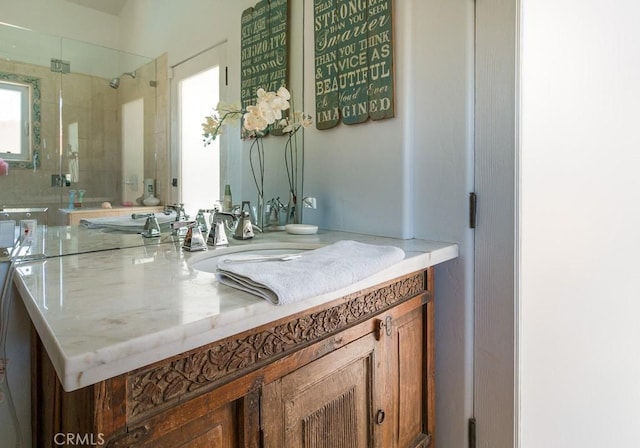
269, 110
267, 114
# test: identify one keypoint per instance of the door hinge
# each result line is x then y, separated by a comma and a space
473, 204
226, 75
472, 433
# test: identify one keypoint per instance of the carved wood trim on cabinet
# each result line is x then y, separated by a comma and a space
199, 370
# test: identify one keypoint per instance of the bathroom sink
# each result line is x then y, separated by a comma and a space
208, 261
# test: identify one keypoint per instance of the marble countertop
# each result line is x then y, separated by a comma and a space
101, 312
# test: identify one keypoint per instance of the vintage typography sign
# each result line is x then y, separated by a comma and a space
353, 61
264, 49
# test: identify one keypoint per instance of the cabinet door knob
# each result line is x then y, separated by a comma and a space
379, 416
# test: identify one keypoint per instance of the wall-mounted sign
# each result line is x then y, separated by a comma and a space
353, 61
264, 51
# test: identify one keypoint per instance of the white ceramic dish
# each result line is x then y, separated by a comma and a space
301, 229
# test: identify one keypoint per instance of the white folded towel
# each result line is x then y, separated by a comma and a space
314, 273
127, 223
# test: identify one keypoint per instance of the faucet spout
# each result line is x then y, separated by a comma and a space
225, 216
179, 209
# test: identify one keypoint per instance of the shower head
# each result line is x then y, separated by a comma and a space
115, 82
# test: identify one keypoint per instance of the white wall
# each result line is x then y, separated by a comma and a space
579, 331
181, 29
64, 19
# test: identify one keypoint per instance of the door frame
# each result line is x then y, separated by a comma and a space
497, 233
193, 64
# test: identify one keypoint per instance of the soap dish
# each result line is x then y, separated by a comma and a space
301, 229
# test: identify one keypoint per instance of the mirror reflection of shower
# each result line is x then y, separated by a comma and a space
115, 82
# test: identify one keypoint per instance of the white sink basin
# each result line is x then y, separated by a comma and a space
208, 261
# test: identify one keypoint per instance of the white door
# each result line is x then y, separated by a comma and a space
132, 131
496, 146
197, 84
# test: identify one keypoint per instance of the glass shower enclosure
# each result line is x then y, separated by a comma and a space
78, 124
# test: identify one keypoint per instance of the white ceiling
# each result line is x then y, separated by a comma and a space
109, 6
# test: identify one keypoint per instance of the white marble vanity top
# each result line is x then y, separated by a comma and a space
107, 312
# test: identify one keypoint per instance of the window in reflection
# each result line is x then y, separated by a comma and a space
20, 120
14, 121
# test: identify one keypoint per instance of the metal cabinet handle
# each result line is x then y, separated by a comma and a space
380, 417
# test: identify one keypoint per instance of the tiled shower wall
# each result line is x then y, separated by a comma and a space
95, 106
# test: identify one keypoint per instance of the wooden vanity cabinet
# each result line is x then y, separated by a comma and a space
356, 372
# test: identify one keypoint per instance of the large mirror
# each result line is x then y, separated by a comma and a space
81, 118
105, 122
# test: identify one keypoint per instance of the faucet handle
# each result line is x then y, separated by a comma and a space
217, 235
201, 221
151, 227
194, 240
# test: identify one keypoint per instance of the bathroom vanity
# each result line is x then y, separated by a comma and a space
136, 348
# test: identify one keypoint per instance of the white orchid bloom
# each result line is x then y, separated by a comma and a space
264, 96
280, 104
284, 93
254, 120
267, 110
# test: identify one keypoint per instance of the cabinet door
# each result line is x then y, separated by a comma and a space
409, 382
184, 426
326, 404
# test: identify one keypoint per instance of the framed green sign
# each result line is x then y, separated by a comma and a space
264, 49
353, 61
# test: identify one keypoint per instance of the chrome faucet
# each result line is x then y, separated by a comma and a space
273, 209
201, 219
151, 227
229, 217
179, 225
244, 228
218, 235
179, 209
